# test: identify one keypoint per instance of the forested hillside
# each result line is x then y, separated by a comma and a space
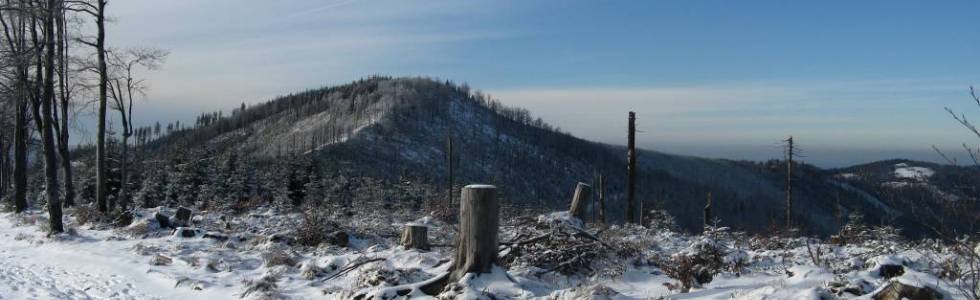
385, 140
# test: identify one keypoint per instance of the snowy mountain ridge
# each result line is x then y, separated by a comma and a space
394, 130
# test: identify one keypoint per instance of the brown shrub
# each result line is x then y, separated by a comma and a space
278, 258
694, 267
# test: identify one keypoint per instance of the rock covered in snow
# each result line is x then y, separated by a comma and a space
888, 266
183, 216
163, 220
186, 232
160, 260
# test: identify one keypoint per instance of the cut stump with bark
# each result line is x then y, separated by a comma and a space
415, 237
479, 220
583, 194
476, 244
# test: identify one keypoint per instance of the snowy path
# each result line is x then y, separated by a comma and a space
85, 267
22, 279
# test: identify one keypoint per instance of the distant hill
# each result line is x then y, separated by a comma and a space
391, 133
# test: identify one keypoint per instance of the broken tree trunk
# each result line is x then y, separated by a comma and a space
631, 168
415, 237
583, 194
602, 201
707, 212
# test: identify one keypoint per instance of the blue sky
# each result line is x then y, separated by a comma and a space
853, 81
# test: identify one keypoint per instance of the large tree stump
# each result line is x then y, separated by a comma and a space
479, 220
415, 237
583, 194
476, 244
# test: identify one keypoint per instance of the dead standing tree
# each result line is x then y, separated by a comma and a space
792, 151
631, 170
707, 212
124, 87
449, 167
602, 200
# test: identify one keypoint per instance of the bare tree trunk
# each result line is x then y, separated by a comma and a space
4, 161
583, 194
602, 200
123, 198
14, 23
20, 155
47, 134
3, 164
415, 237
789, 182
100, 156
63, 145
449, 165
479, 220
631, 168
707, 211
4, 157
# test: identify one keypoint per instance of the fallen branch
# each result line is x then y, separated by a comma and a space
563, 264
527, 241
588, 235
351, 267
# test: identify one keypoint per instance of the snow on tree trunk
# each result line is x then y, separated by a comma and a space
415, 237
583, 194
476, 246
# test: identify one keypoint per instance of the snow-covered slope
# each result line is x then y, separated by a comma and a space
250, 256
395, 130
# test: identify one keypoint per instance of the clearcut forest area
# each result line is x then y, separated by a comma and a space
421, 187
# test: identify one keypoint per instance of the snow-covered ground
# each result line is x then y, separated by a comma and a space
250, 256
904, 171
90, 264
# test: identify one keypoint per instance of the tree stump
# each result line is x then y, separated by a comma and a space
479, 220
583, 194
415, 237
476, 244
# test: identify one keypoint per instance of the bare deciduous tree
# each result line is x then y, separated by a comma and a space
124, 86
96, 9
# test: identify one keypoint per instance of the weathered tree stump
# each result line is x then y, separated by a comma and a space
415, 237
583, 194
476, 244
479, 220
896, 290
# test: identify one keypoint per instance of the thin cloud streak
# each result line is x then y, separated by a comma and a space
828, 116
